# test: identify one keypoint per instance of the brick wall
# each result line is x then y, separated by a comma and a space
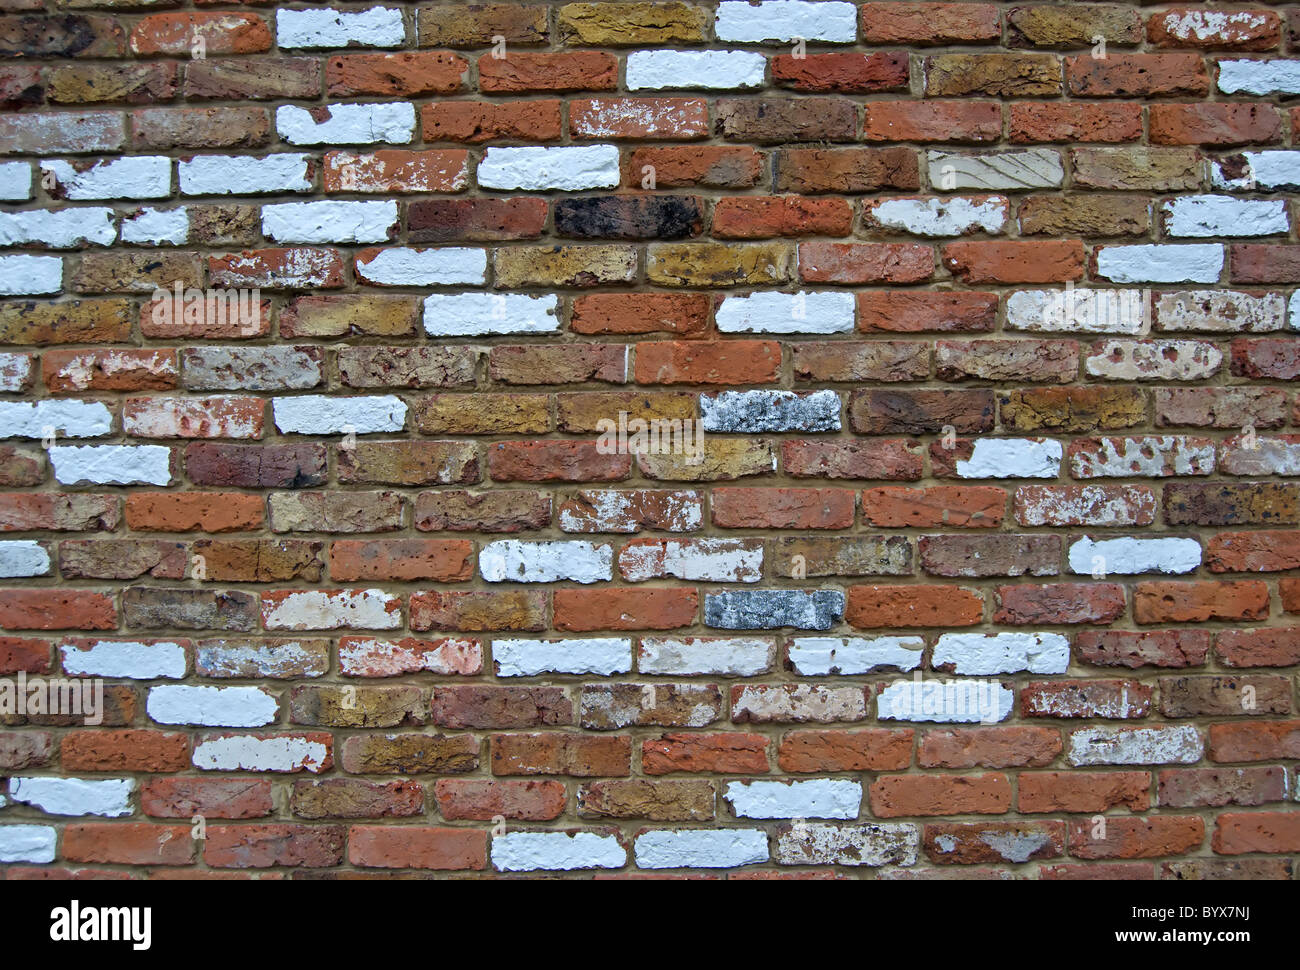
798, 438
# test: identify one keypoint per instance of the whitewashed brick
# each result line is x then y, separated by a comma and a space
108, 797
739, 412
126, 659
16, 370
945, 701
1135, 746
424, 267
814, 798
1129, 556
58, 228
939, 218
54, 417
177, 417
249, 752
15, 181
1143, 457
488, 314
391, 122
708, 70
510, 560
27, 843
328, 28
603, 656
555, 851
1180, 263
1207, 216
1094, 505
699, 560
23, 557
786, 20
1220, 311
271, 368
982, 655
131, 177
322, 414
364, 609
863, 844
1033, 168
799, 702
212, 706
703, 656
1259, 77
611, 510
367, 657
330, 221
1270, 169
22, 275
700, 848
244, 174
567, 168
1077, 310
157, 227
1153, 360
1011, 458
771, 312
111, 464
1265, 456
822, 656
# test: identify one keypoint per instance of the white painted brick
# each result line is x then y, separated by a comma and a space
739, 412
365, 609
330, 221
1293, 311
327, 28
568, 168
799, 702
553, 851
1033, 168
212, 706
1078, 310
1267, 169
16, 370
786, 20
22, 275
54, 417
111, 464
126, 659
253, 658
488, 314
1220, 311
391, 122
1259, 77
109, 797
27, 843
249, 368
612, 510
822, 656
982, 655
700, 848
1143, 457
771, 312
131, 177
698, 560
58, 228
1182, 263
945, 701
425, 267
814, 798
863, 844
1207, 216
1095, 505
322, 414
1135, 746
708, 70
1012, 458
366, 657
1201, 25
15, 181
701, 656
1153, 360
602, 656
510, 560
23, 557
178, 417
248, 752
938, 218
1269, 456
244, 175
1129, 556
157, 227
